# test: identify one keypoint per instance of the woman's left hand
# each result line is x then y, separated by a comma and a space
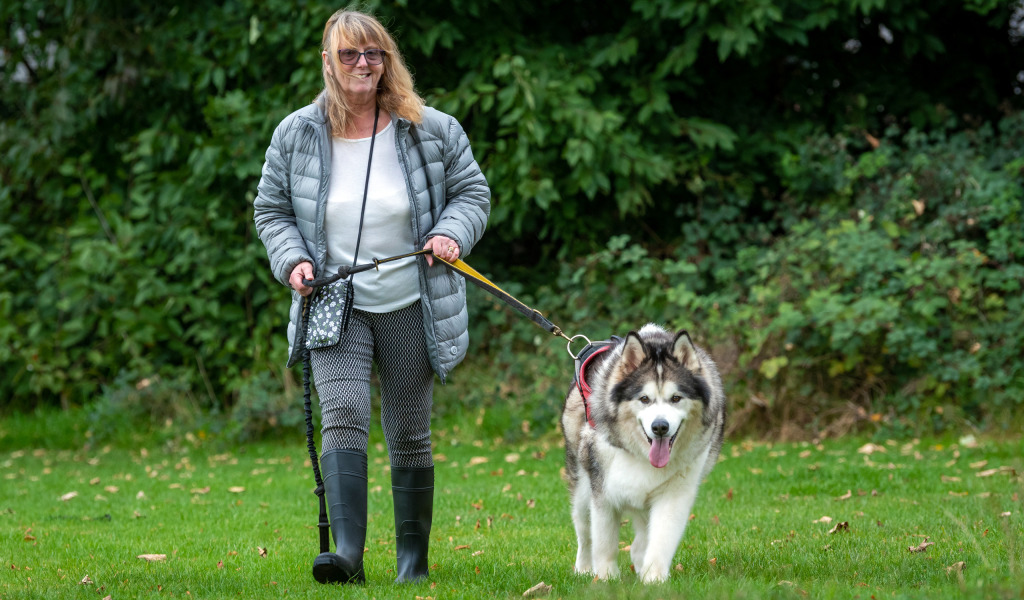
442, 247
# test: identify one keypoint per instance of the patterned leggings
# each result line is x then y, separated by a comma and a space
396, 343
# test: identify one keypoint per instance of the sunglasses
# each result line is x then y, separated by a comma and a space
349, 56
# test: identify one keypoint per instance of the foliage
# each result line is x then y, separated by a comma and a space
722, 140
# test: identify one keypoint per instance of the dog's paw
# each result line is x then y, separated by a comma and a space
582, 569
654, 575
607, 572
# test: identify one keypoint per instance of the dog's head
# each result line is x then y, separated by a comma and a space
659, 381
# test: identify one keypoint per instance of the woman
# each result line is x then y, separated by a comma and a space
423, 188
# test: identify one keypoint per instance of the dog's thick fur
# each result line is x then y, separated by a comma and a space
659, 412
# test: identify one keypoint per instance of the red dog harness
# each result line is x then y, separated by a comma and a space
583, 360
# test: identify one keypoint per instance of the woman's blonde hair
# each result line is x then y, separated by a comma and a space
395, 93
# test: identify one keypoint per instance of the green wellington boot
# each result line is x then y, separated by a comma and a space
344, 475
413, 491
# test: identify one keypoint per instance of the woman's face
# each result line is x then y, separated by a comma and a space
359, 80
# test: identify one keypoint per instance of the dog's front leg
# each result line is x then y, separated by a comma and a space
604, 533
638, 548
671, 513
581, 521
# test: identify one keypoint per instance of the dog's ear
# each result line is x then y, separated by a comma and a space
685, 352
633, 353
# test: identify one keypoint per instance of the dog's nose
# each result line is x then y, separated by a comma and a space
659, 427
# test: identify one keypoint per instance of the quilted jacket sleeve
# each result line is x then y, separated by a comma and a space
274, 214
468, 204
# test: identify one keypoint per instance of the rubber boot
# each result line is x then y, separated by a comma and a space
413, 491
344, 475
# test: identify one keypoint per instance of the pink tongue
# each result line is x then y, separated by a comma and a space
659, 452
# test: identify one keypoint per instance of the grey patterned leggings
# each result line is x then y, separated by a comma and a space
395, 342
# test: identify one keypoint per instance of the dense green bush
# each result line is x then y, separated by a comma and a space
901, 297
706, 165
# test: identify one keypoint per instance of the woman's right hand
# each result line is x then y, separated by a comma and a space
303, 270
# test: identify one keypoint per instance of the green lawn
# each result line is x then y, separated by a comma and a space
502, 525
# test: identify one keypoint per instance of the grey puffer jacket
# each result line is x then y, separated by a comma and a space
447, 191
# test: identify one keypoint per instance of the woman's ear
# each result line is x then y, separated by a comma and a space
327, 62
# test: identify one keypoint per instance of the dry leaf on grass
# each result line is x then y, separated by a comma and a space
262, 551
841, 526
68, 496
792, 586
541, 589
237, 489
825, 519
86, 581
921, 547
152, 557
871, 449
846, 496
996, 471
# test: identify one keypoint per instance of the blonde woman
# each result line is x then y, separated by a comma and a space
367, 170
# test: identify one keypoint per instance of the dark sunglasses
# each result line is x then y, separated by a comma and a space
349, 56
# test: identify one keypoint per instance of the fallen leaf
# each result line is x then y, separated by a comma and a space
979, 464
68, 496
152, 557
996, 471
202, 490
237, 489
948, 479
920, 547
86, 581
220, 564
462, 547
262, 551
846, 496
140, 495
825, 519
841, 526
477, 553
541, 589
871, 449
476, 460
1005, 514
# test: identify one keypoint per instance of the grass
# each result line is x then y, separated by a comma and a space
502, 525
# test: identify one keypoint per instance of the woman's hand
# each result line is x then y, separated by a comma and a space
303, 270
442, 247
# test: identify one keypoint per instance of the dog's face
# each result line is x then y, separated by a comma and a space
659, 393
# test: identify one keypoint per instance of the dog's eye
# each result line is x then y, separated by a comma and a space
645, 400
677, 399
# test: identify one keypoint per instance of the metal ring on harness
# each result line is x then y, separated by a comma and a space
568, 347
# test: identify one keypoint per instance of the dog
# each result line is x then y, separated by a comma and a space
640, 445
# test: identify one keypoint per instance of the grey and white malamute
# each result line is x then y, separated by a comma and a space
640, 445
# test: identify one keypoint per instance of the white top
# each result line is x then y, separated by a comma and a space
387, 225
